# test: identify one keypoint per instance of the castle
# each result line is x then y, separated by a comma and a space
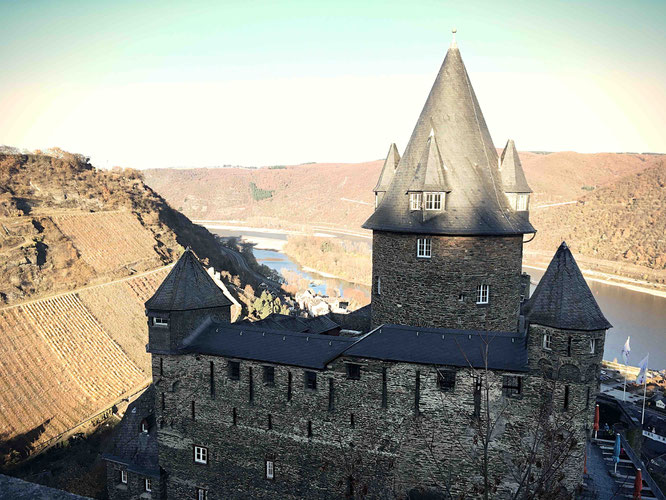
463, 387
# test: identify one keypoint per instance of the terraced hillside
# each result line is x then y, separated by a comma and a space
67, 358
81, 250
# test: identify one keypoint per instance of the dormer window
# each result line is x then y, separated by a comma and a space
433, 201
522, 201
161, 322
415, 201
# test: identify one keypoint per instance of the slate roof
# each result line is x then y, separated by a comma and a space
318, 324
15, 488
388, 170
262, 344
443, 346
476, 204
513, 176
562, 298
188, 286
430, 173
130, 446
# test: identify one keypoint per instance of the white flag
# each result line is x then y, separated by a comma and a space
625, 351
642, 373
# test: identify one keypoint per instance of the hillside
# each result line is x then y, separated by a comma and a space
340, 195
81, 250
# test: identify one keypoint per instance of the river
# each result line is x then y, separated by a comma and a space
640, 315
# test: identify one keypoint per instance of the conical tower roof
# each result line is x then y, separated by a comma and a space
513, 177
430, 172
188, 286
388, 170
476, 203
562, 299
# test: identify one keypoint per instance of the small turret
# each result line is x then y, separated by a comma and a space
514, 182
386, 175
186, 297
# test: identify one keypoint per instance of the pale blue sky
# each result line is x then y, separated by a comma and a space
149, 84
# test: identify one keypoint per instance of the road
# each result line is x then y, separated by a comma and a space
242, 264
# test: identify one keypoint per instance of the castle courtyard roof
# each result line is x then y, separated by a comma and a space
188, 286
562, 298
439, 346
444, 346
476, 204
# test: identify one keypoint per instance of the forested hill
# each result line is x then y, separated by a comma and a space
65, 224
597, 192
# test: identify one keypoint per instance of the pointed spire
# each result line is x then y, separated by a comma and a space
562, 298
188, 286
430, 172
475, 205
513, 176
388, 170
454, 45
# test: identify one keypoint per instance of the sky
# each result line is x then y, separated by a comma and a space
207, 83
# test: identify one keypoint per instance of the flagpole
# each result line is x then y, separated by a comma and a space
645, 389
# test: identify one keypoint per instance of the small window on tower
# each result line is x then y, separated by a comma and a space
379, 285
353, 371
269, 375
512, 385
547, 341
593, 346
482, 294
270, 470
415, 201
234, 370
446, 379
433, 201
161, 322
311, 381
424, 248
522, 201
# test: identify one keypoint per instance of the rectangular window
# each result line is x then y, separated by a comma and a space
311, 381
547, 341
148, 485
202, 494
521, 202
351, 421
193, 414
123, 476
200, 455
270, 470
593, 346
353, 371
384, 395
144, 426
289, 386
423, 247
234, 416
379, 285
478, 383
269, 375
212, 379
234, 370
482, 294
433, 201
331, 394
446, 380
569, 342
587, 399
309, 428
415, 200
512, 385
250, 385
161, 322
270, 421
417, 393
565, 405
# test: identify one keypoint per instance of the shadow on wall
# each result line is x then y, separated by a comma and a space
19, 447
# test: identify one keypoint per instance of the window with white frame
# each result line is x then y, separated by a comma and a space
521, 201
433, 201
123, 476
163, 322
144, 426
202, 494
482, 294
547, 341
415, 201
424, 247
148, 485
379, 285
270, 469
200, 455
593, 346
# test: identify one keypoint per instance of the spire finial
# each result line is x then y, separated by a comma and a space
454, 45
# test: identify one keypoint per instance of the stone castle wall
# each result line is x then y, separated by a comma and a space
427, 292
366, 440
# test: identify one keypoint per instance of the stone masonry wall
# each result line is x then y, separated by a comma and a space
365, 442
181, 324
427, 292
135, 487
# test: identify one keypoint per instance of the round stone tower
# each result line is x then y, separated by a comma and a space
448, 230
